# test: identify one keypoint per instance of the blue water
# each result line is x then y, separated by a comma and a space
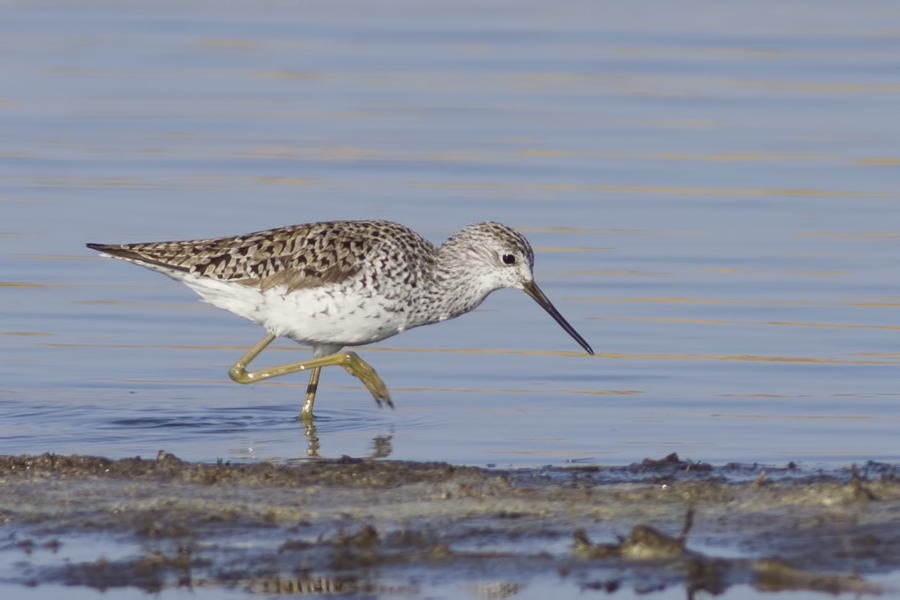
711, 191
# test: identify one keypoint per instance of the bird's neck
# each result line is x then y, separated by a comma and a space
458, 285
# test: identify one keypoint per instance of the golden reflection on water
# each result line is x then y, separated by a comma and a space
475, 154
570, 249
286, 181
578, 230
192, 306
26, 285
654, 189
51, 257
615, 355
854, 236
677, 156
780, 417
730, 322
614, 272
871, 304
880, 161
720, 301
726, 270
735, 301
397, 389
512, 391
26, 333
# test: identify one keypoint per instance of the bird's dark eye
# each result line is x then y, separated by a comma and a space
509, 259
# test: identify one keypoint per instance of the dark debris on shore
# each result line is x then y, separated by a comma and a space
350, 525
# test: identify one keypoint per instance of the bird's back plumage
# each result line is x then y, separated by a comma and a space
297, 256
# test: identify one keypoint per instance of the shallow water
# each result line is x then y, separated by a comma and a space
711, 191
712, 202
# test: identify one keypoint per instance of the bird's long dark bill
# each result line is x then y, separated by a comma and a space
535, 292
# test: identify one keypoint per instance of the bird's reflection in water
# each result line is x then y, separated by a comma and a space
380, 445
312, 439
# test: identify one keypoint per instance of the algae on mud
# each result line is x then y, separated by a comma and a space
360, 526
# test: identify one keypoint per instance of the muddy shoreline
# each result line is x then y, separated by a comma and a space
367, 526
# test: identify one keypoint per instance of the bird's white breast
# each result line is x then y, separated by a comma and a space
326, 314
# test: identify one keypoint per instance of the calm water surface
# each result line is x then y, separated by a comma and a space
711, 190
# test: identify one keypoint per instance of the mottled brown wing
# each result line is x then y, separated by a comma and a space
299, 256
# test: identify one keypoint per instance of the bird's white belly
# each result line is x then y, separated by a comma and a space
326, 315
320, 315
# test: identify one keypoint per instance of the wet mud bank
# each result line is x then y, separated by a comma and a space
385, 527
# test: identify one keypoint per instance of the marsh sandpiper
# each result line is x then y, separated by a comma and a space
344, 283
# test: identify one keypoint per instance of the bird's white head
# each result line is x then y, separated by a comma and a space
495, 256
489, 256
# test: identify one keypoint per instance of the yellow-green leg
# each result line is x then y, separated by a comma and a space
351, 362
311, 389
